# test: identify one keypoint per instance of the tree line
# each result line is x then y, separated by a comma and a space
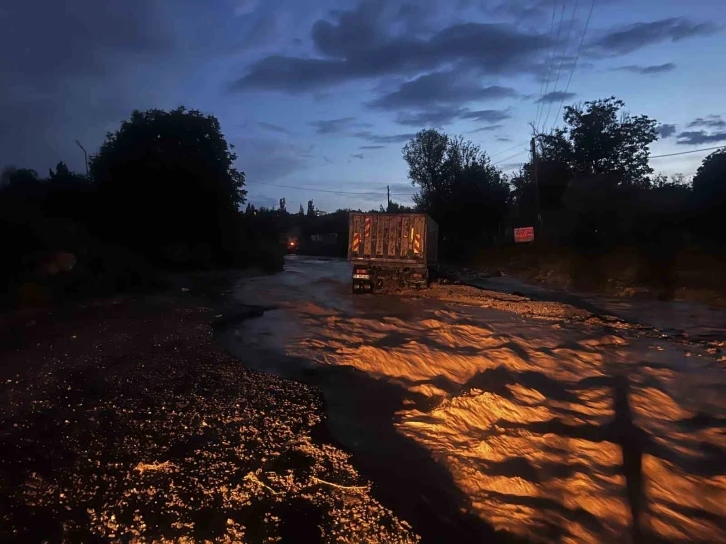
163, 192
594, 187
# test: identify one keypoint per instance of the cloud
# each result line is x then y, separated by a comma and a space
653, 69
437, 117
357, 156
700, 137
333, 126
328, 160
445, 115
503, 139
97, 51
445, 87
666, 131
359, 44
710, 121
268, 160
486, 129
636, 36
245, 7
371, 147
266, 30
523, 10
487, 116
555, 96
384, 139
274, 128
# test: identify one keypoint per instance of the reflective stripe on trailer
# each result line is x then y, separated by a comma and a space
417, 244
356, 242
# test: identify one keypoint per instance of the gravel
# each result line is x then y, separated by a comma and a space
123, 421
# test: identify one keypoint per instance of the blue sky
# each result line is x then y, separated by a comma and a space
323, 94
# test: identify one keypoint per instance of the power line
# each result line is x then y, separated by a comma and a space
540, 104
687, 152
508, 149
555, 47
383, 193
562, 59
577, 57
512, 157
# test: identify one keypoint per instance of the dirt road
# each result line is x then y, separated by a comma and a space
482, 415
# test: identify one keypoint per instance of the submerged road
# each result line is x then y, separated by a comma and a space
486, 417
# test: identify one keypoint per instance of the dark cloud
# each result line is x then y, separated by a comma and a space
556, 96
635, 36
666, 131
357, 156
653, 69
274, 128
384, 139
503, 139
445, 87
59, 74
486, 129
332, 126
245, 7
359, 44
328, 160
710, 121
371, 147
267, 160
445, 115
77, 37
264, 31
435, 117
523, 10
700, 137
486, 116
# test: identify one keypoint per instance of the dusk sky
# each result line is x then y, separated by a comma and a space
323, 94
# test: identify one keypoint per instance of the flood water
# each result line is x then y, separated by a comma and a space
476, 423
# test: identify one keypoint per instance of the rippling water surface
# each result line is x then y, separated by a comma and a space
553, 431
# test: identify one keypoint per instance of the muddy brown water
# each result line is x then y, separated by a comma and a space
477, 424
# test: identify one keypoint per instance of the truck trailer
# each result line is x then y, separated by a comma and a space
401, 249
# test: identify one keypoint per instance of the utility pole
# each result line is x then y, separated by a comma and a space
535, 175
85, 155
388, 191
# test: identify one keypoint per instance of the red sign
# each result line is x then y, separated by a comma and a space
524, 234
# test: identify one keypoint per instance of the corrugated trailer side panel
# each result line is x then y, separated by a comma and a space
405, 222
401, 237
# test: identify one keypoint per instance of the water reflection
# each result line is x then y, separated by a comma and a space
554, 433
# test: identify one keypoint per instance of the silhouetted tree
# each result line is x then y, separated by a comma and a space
12, 176
311, 208
283, 207
601, 138
458, 186
167, 179
709, 191
301, 212
395, 207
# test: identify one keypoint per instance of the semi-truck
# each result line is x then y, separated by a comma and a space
402, 249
